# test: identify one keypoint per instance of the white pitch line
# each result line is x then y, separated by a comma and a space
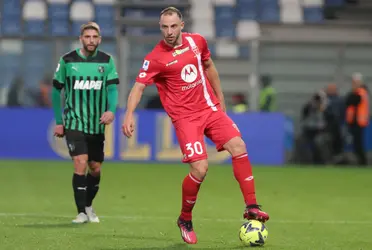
148, 218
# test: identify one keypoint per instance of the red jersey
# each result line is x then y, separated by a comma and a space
180, 77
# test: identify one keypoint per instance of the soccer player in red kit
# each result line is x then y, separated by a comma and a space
190, 91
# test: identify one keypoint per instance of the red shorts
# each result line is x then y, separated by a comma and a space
216, 125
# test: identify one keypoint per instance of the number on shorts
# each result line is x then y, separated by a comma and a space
196, 148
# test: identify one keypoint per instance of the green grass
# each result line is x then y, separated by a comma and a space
310, 208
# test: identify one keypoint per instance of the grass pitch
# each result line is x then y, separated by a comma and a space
138, 204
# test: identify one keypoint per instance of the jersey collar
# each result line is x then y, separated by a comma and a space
84, 57
169, 48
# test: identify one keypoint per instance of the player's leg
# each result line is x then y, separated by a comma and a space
243, 174
79, 152
190, 189
226, 135
95, 160
191, 139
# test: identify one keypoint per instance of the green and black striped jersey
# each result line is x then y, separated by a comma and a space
85, 81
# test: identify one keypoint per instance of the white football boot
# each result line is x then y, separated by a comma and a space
80, 219
91, 215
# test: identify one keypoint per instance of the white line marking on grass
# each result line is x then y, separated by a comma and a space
148, 218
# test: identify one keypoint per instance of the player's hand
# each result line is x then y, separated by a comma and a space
128, 126
107, 117
59, 131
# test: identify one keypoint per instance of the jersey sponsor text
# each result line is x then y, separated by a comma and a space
97, 85
192, 85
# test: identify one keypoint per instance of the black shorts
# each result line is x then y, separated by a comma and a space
80, 143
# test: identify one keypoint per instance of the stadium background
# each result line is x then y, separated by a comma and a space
302, 44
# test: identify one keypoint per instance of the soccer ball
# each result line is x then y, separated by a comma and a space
253, 233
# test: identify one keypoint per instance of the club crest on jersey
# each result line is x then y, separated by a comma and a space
101, 69
196, 50
180, 51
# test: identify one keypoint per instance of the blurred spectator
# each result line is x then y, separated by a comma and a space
45, 92
239, 103
366, 88
267, 95
320, 132
335, 102
335, 111
357, 116
14, 93
314, 125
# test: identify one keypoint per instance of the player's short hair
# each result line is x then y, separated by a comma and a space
171, 11
90, 25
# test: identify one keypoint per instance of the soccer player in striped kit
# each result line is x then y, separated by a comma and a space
89, 79
190, 91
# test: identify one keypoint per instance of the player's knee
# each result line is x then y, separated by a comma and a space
236, 146
95, 168
199, 169
80, 164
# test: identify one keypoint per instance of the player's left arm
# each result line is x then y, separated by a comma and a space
59, 79
214, 79
112, 93
212, 73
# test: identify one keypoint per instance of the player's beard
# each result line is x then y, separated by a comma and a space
173, 42
90, 48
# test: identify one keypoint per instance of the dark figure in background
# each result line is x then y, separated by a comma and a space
13, 96
314, 127
335, 113
357, 116
267, 95
45, 86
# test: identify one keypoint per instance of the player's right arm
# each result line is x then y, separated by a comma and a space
58, 85
147, 76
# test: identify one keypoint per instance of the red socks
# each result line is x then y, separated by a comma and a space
243, 173
190, 189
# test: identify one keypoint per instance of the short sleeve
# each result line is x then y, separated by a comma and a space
205, 53
149, 72
112, 74
60, 75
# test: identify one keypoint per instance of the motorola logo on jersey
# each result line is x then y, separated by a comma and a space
189, 73
192, 85
88, 84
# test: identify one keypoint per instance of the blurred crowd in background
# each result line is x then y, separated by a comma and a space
303, 64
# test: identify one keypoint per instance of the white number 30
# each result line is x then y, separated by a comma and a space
196, 148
